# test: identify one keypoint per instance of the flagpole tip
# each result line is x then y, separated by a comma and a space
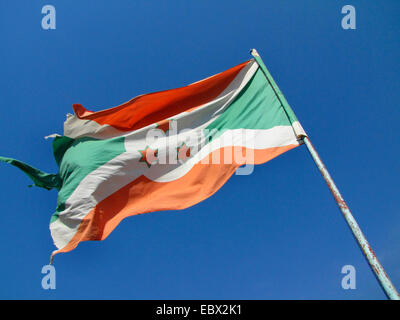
254, 52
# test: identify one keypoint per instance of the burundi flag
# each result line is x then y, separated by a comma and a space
166, 150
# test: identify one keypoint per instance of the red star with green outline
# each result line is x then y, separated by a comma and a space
183, 152
148, 155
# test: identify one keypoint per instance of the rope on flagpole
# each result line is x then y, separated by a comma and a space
373, 261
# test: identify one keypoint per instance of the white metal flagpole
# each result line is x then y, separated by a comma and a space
373, 261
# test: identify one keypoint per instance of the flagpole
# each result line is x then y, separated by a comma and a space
373, 261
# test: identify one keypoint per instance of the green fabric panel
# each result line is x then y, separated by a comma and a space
289, 112
39, 178
255, 107
77, 158
60, 145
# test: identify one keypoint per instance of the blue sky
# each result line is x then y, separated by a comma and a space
275, 234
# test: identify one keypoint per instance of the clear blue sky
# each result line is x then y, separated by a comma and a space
276, 234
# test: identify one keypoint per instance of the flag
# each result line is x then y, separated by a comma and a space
166, 150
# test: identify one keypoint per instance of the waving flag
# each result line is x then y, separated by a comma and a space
161, 151
172, 149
